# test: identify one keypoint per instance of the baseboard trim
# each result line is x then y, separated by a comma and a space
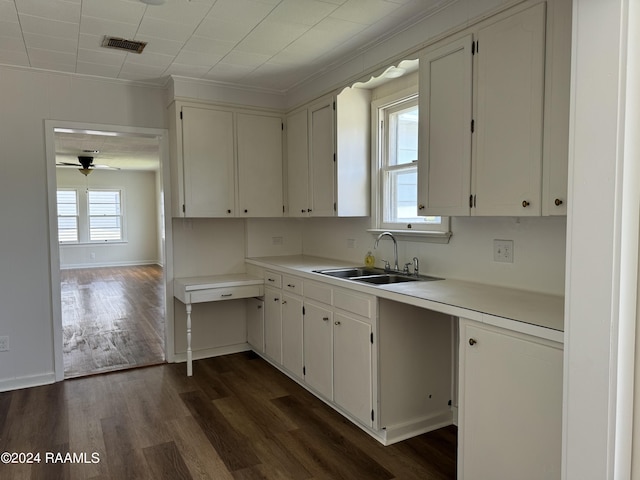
110, 264
27, 382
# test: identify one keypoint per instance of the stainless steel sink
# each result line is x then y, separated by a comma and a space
351, 272
373, 276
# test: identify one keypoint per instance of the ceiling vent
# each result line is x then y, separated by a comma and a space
122, 44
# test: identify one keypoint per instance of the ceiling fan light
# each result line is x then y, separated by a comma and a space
85, 171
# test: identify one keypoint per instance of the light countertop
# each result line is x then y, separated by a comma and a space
525, 311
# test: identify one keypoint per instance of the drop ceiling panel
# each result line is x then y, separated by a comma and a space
242, 42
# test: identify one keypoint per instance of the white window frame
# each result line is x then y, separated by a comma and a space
436, 233
76, 216
120, 216
84, 220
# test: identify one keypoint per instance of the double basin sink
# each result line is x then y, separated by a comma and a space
374, 276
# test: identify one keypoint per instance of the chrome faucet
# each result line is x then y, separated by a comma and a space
415, 267
395, 247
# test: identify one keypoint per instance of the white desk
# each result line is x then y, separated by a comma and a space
213, 289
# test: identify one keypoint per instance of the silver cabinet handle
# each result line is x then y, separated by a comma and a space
326, 319
226, 295
472, 341
336, 323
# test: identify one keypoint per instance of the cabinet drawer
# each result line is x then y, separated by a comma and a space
362, 305
318, 291
229, 293
272, 279
292, 284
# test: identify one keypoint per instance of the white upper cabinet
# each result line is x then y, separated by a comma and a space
444, 170
225, 162
298, 164
208, 162
508, 125
259, 165
328, 169
494, 117
322, 158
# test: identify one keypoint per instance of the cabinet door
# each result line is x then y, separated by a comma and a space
510, 417
322, 179
298, 164
273, 324
510, 60
318, 322
208, 159
292, 334
259, 165
444, 159
352, 367
255, 324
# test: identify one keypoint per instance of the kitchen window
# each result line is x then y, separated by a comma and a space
395, 172
90, 215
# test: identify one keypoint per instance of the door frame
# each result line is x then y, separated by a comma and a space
54, 248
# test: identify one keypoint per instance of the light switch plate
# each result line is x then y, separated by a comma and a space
503, 251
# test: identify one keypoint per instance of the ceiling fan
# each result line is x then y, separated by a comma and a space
87, 165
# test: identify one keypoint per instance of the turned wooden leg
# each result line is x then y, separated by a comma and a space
189, 353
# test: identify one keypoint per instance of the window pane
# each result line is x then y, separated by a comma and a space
403, 136
67, 203
105, 220
67, 229
402, 192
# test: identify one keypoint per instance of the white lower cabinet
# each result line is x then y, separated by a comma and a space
255, 324
318, 361
273, 324
292, 334
510, 405
352, 365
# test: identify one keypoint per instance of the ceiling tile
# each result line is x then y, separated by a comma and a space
189, 13
225, 72
98, 69
240, 11
8, 12
225, 30
105, 56
160, 45
193, 71
53, 28
247, 59
208, 45
11, 44
197, 58
305, 12
155, 60
269, 38
39, 57
52, 9
102, 27
14, 57
364, 11
10, 30
58, 44
154, 27
115, 10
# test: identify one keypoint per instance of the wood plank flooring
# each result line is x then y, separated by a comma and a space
236, 418
112, 318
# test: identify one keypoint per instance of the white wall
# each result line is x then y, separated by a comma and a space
539, 247
140, 209
27, 99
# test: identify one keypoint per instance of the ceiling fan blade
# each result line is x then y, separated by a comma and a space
68, 164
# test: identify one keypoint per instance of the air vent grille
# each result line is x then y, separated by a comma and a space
122, 44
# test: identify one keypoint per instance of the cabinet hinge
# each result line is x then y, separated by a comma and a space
474, 201
450, 403
473, 126
184, 210
372, 416
180, 114
475, 47
303, 312
304, 370
282, 125
371, 337
334, 207
282, 208
334, 105
334, 158
470, 201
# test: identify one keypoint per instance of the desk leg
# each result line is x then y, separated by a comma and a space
189, 353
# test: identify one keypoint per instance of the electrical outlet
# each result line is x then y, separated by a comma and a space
503, 251
4, 344
276, 240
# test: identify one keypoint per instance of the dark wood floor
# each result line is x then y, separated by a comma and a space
112, 318
236, 418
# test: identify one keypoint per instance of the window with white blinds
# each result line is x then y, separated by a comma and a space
105, 215
90, 215
67, 216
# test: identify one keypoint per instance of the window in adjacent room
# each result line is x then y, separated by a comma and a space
67, 216
105, 215
396, 170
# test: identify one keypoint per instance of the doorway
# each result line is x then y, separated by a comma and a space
111, 250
